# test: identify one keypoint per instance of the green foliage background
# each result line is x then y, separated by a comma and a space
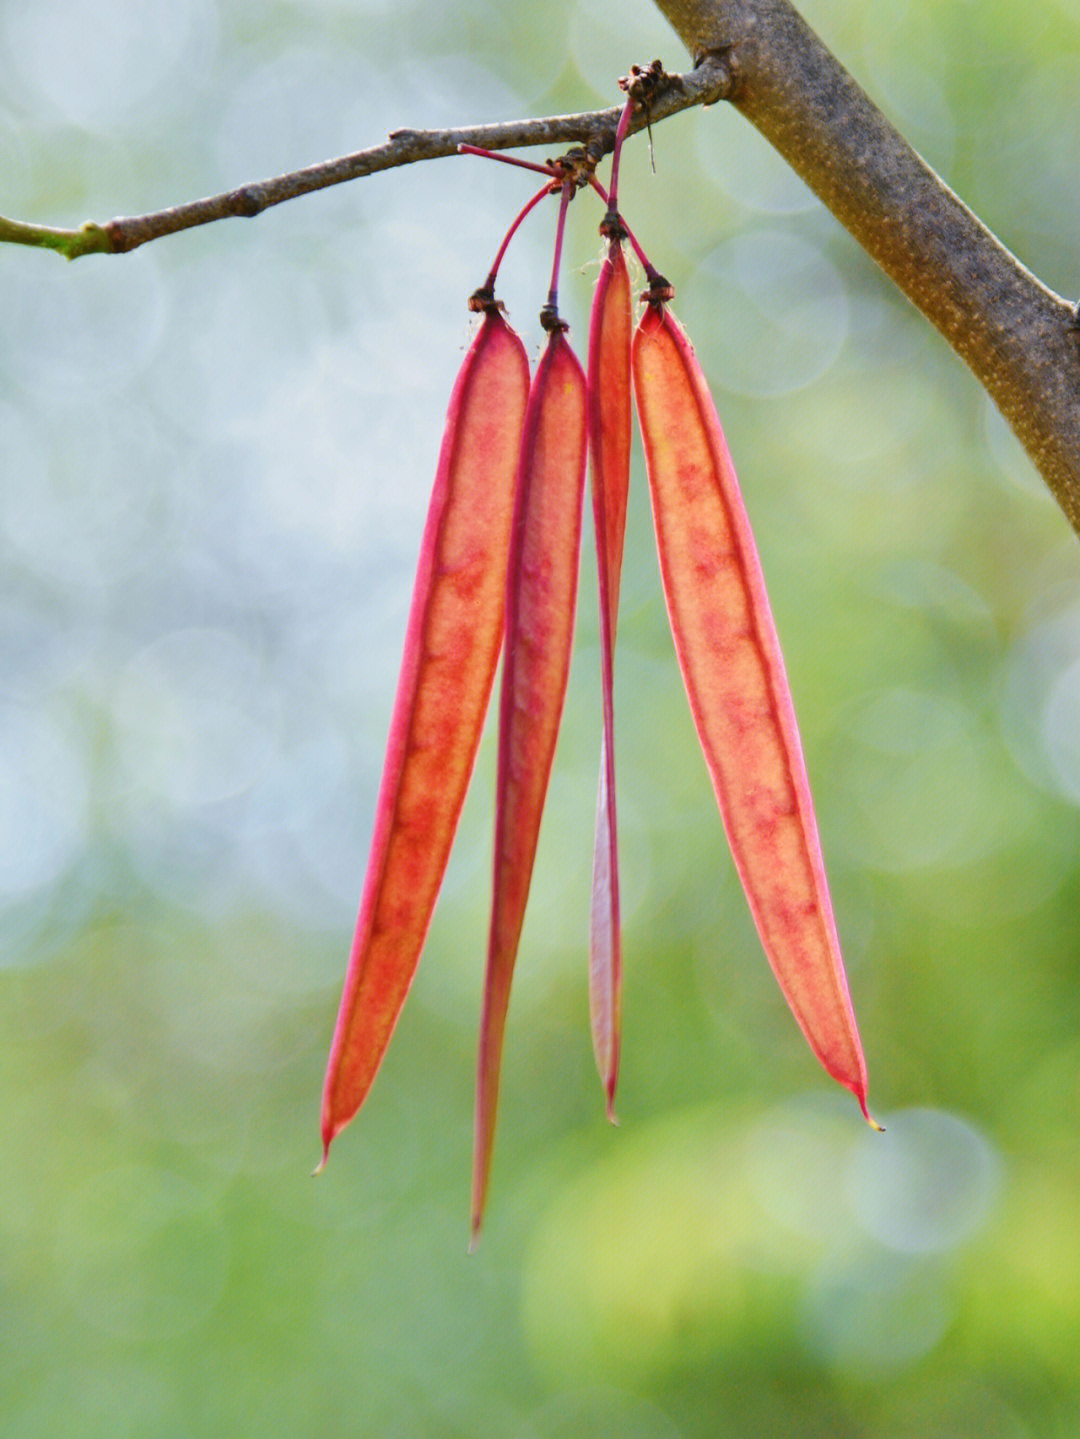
215, 456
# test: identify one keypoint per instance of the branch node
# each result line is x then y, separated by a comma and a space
574, 166
646, 82
249, 201
724, 62
116, 235
94, 238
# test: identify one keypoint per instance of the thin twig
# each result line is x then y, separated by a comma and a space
705, 85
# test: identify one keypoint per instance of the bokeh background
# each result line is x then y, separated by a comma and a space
215, 456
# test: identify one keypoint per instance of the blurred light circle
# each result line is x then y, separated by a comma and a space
143, 1255
598, 1411
928, 1186
269, 122
777, 313
1012, 460
43, 801
1061, 730
913, 812
749, 171
76, 335
190, 860
1039, 206
914, 97
920, 777
606, 40
73, 521
908, 722
194, 714
880, 1315
655, 1230
785, 1155
95, 62
1038, 699
301, 838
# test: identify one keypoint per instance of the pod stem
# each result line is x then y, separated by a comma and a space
616, 155
549, 315
488, 289
616, 227
545, 169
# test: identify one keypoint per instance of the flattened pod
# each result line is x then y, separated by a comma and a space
451, 649
734, 675
610, 332
541, 598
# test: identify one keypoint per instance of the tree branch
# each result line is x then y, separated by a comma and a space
1018, 337
595, 129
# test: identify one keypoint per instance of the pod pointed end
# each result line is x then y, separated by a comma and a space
861, 1097
609, 1090
329, 1133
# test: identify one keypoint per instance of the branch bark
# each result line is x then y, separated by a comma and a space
705, 85
1018, 337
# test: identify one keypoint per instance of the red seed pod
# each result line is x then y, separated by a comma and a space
734, 673
541, 598
610, 331
451, 650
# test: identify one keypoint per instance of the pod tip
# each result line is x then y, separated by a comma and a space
880, 1128
327, 1139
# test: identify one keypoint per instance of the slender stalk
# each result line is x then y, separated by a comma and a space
506, 159
489, 283
656, 280
616, 154
553, 290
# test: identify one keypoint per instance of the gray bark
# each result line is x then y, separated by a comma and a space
1014, 333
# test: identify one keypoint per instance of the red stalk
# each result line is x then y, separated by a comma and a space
545, 169
734, 673
451, 649
609, 464
529, 205
656, 280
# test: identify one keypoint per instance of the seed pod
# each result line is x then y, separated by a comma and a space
541, 596
451, 649
610, 330
734, 673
